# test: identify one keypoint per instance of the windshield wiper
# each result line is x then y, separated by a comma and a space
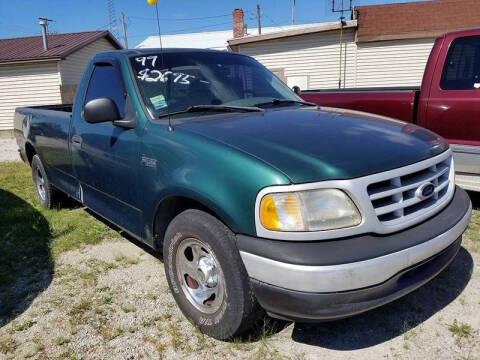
285, 101
216, 108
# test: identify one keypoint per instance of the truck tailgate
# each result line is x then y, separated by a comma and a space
394, 103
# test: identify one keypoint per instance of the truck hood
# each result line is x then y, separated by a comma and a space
310, 145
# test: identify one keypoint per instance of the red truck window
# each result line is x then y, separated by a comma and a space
462, 66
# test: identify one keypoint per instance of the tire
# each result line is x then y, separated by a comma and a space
197, 240
46, 194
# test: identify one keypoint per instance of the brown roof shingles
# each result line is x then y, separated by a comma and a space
59, 46
416, 19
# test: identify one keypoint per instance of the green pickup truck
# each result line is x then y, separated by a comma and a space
260, 202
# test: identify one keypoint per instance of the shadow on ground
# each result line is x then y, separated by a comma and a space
475, 197
25, 264
391, 320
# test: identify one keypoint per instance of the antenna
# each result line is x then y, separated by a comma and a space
293, 11
341, 10
259, 21
112, 18
154, 2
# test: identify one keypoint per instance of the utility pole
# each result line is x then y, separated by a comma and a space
293, 12
342, 10
259, 23
124, 28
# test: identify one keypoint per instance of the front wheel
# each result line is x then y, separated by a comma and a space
207, 277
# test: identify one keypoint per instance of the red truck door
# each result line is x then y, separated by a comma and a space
453, 109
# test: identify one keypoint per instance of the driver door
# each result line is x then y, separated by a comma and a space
105, 157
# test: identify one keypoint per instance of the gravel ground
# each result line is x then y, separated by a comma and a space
111, 301
8, 150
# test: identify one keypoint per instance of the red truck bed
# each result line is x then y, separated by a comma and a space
398, 103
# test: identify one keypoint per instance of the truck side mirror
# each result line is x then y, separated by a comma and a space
297, 90
100, 110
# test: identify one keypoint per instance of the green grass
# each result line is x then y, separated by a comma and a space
33, 237
473, 231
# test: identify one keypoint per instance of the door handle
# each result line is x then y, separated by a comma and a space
77, 140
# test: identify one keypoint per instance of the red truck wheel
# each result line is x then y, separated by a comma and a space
207, 276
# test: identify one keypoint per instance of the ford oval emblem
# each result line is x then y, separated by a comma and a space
424, 191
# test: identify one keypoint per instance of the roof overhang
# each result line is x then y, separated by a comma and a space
106, 34
289, 33
30, 61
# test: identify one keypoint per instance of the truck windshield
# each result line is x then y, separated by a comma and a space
174, 82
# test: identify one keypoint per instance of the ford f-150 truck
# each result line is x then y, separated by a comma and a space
447, 103
259, 201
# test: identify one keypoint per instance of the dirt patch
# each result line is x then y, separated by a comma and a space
112, 300
8, 150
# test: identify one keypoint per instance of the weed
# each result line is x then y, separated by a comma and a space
125, 260
104, 288
166, 316
127, 308
82, 306
7, 345
151, 296
23, 326
460, 329
132, 329
176, 336
61, 340
200, 338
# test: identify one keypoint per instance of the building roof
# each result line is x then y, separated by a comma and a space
30, 49
306, 29
218, 40
416, 20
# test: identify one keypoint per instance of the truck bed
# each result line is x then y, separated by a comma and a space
397, 103
49, 125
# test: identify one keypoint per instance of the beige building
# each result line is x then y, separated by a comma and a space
31, 75
385, 45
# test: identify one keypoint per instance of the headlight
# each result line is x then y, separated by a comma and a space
311, 210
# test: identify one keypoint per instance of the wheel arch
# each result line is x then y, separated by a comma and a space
30, 152
172, 205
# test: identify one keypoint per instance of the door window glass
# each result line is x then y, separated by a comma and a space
106, 82
461, 70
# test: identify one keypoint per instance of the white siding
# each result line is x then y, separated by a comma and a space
314, 55
376, 64
392, 63
71, 69
26, 85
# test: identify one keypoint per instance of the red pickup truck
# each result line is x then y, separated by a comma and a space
447, 103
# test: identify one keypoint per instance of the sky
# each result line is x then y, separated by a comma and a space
20, 17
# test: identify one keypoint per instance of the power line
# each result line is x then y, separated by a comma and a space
181, 19
180, 30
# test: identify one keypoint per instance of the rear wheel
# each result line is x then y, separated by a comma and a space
207, 277
47, 195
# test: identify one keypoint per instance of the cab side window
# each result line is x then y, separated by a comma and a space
106, 82
462, 66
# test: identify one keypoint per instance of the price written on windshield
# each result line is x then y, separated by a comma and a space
153, 75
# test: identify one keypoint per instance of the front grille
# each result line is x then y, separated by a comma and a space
394, 199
